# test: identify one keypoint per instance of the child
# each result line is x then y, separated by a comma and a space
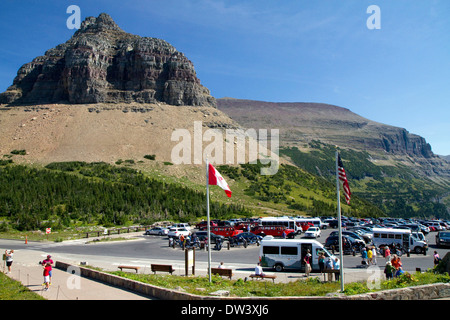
47, 269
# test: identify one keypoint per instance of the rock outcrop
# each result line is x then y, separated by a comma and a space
101, 63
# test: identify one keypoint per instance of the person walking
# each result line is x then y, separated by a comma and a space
369, 256
387, 253
9, 259
374, 255
307, 261
436, 258
364, 257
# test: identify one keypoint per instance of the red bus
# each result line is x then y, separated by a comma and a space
245, 226
225, 231
276, 231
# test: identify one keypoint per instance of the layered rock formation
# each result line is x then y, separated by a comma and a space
103, 64
303, 122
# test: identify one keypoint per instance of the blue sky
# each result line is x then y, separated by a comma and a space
278, 50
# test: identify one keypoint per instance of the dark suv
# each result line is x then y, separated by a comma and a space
202, 235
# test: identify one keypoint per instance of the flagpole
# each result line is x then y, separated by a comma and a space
207, 218
341, 249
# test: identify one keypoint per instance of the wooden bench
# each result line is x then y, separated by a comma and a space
258, 276
222, 272
162, 267
128, 267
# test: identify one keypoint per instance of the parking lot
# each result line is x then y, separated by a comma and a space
144, 250
250, 254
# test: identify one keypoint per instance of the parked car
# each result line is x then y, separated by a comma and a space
182, 225
202, 235
250, 237
366, 235
332, 242
160, 231
204, 225
443, 239
351, 234
312, 232
333, 223
436, 225
176, 232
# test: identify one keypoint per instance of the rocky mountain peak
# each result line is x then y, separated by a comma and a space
101, 63
103, 22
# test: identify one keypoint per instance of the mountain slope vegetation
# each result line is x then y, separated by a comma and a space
396, 189
62, 194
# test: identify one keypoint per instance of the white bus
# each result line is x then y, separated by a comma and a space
385, 237
289, 223
281, 254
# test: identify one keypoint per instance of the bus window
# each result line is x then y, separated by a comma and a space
383, 236
376, 235
289, 250
271, 250
398, 236
391, 236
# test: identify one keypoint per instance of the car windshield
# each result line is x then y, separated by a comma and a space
444, 235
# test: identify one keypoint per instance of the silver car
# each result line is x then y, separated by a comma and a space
160, 231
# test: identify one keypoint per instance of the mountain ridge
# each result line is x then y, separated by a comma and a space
300, 123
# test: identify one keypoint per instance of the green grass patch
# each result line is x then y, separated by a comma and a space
238, 288
311, 287
13, 290
403, 281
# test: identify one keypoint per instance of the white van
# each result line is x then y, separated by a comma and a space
404, 237
182, 225
281, 254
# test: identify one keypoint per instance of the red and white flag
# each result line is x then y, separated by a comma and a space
216, 179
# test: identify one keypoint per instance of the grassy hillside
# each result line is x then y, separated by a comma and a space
295, 191
396, 189
63, 194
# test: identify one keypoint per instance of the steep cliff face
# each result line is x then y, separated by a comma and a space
102, 63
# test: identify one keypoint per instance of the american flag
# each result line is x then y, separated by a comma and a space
343, 178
